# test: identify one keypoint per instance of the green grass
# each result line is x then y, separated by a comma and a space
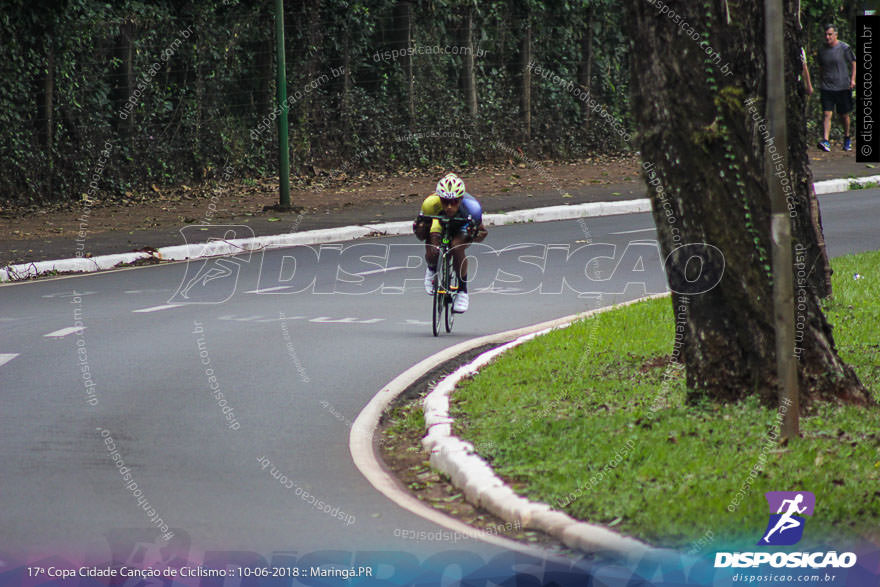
854, 185
855, 313
593, 415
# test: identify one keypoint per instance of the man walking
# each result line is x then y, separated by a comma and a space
837, 84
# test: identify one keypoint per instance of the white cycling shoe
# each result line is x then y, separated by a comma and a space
461, 302
429, 281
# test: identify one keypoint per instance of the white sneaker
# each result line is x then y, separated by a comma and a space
429, 281
461, 302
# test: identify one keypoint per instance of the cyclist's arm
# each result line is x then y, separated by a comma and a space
476, 230
430, 207
479, 233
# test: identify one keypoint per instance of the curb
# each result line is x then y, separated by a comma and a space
312, 237
24, 271
483, 488
469, 472
842, 185
362, 441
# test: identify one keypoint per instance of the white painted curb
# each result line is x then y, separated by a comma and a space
311, 237
590, 210
468, 471
456, 458
832, 186
314, 237
361, 438
184, 252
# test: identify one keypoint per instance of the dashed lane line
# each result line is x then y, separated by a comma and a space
269, 289
634, 231
65, 331
382, 270
157, 308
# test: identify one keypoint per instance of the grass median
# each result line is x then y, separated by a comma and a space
592, 420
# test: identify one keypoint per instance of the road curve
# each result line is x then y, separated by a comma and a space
229, 400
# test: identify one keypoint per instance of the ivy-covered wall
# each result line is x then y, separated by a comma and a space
185, 90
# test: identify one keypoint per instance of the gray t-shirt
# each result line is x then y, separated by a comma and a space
835, 63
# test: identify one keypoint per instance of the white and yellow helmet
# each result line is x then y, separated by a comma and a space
450, 187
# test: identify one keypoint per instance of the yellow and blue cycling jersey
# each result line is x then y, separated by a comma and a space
470, 213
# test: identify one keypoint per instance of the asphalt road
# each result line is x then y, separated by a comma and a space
231, 407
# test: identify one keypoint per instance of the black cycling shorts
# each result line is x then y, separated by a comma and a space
842, 99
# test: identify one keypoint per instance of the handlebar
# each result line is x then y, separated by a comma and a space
446, 219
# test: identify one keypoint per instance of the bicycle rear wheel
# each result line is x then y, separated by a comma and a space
439, 302
450, 297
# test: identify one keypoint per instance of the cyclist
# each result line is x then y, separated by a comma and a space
450, 200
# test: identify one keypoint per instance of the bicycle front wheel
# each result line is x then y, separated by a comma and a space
437, 306
450, 298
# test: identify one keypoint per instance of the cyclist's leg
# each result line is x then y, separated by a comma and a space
432, 250
432, 255
460, 244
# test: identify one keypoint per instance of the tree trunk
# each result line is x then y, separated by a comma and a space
526, 89
312, 120
403, 27
470, 81
820, 279
700, 113
822, 282
346, 76
345, 104
47, 109
585, 68
264, 91
127, 31
198, 161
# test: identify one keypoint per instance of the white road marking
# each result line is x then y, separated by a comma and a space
634, 231
417, 322
316, 320
65, 331
235, 318
140, 291
68, 294
516, 247
494, 289
380, 270
6, 357
157, 308
269, 289
328, 320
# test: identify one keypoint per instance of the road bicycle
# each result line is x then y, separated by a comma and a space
446, 287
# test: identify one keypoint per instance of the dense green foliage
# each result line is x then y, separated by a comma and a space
185, 90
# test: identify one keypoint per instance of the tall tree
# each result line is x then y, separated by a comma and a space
585, 67
525, 69
403, 26
698, 93
470, 78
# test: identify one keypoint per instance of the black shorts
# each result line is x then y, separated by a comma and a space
842, 99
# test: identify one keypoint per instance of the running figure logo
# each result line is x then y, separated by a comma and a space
786, 526
217, 255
